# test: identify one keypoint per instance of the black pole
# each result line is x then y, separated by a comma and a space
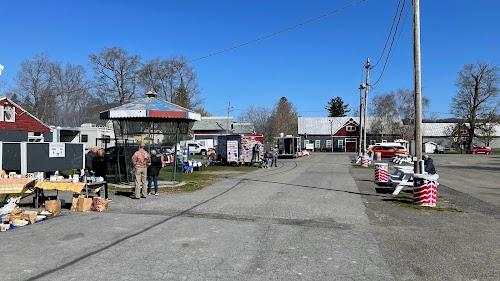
175, 152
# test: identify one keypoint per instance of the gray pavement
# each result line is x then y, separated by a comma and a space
312, 218
476, 175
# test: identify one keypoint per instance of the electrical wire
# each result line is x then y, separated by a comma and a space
280, 31
390, 46
388, 35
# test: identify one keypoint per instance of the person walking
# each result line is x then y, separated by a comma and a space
140, 161
275, 156
154, 172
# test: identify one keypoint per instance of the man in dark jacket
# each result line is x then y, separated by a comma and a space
154, 172
429, 165
89, 158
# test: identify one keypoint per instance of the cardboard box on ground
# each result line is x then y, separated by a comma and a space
53, 206
85, 204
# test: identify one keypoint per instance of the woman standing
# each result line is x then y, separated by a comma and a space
153, 172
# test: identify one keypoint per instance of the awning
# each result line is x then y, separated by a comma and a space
150, 107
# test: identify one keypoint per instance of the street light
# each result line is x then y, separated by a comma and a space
331, 133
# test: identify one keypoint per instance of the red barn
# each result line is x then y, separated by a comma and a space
17, 124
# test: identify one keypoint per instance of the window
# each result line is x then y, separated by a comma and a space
341, 144
85, 138
328, 143
306, 142
9, 114
350, 128
373, 142
317, 144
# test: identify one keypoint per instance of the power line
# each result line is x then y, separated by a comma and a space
388, 35
280, 31
390, 46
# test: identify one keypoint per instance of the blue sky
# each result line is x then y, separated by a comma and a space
307, 65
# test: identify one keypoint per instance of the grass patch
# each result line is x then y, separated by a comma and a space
200, 179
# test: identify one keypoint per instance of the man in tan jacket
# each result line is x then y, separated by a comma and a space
141, 160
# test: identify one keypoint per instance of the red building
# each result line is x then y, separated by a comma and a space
17, 124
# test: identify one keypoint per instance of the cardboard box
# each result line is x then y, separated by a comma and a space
74, 203
53, 206
30, 216
84, 204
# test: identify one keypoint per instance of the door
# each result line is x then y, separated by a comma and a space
350, 145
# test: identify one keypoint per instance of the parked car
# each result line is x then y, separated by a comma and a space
388, 150
481, 150
439, 149
196, 148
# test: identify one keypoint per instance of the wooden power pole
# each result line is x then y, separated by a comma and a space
417, 85
368, 67
360, 125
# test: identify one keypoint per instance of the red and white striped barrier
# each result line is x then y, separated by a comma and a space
365, 161
425, 191
381, 173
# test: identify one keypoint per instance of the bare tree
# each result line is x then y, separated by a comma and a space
261, 119
73, 93
116, 74
477, 96
167, 76
384, 111
394, 113
35, 87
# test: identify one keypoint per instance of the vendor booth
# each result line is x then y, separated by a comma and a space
149, 120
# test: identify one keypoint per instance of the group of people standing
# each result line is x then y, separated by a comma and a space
270, 157
146, 169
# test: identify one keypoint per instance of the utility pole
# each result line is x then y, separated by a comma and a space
418, 168
360, 124
229, 109
368, 67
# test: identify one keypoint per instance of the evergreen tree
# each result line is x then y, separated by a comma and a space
284, 118
181, 96
337, 108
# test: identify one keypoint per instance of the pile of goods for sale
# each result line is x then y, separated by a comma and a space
13, 216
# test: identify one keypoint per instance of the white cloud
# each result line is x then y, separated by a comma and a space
1, 68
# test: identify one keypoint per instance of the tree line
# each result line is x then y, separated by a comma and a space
69, 94
271, 122
475, 108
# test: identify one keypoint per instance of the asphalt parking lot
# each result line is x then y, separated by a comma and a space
313, 218
475, 175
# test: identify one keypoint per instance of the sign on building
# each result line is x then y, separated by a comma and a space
57, 150
232, 151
